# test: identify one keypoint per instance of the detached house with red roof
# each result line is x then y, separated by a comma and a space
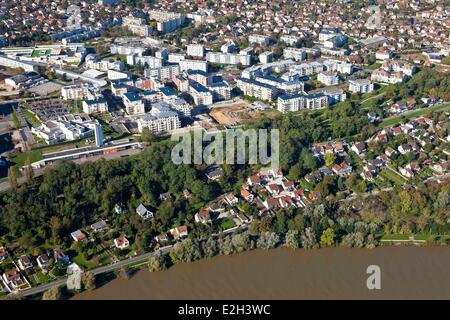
203, 216
179, 232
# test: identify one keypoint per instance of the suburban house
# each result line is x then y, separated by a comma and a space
273, 189
389, 152
42, 262
60, 256
288, 185
359, 147
13, 279
342, 169
231, 199
99, 226
186, 194
441, 167
3, 254
162, 238
78, 236
247, 195
121, 242
203, 216
179, 232
216, 207
24, 263
243, 218
271, 203
214, 173
165, 196
143, 212
254, 180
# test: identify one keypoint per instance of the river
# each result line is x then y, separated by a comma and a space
407, 272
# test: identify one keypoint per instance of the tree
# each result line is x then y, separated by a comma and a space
124, 274
327, 238
54, 293
29, 173
12, 179
268, 240
158, 262
210, 248
88, 280
330, 158
292, 239
308, 239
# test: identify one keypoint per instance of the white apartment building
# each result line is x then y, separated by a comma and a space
384, 76
181, 106
360, 86
306, 69
196, 50
99, 105
334, 95
228, 47
328, 33
126, 50
338, 66
384, 54
54, 131
137, 26
147, 61
328, 78
181, 82
193, 65
105, 65
399, 66
294, 53
163, 74
336, 41
166, 21
228, 58
289, 103
117, 75
160, 122
200, 94
266, 57
259, 39
176, 57
80, 91
220, 90
257, 89
134, 104
290, 40
316, 101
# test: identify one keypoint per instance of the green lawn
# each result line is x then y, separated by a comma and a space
227, 223
415, 114
395, 237
30, 115
20, 159
15, 119
83, 263
393, 177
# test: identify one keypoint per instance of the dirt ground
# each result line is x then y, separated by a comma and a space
234, 113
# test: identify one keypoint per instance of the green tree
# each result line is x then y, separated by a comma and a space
327, 238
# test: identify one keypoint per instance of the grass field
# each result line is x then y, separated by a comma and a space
415, 114
393, 177
227, 223
30, 116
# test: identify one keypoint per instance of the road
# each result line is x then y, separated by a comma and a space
100, 270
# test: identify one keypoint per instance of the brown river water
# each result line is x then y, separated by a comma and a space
407, 272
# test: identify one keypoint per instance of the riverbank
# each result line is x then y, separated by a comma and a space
407, 272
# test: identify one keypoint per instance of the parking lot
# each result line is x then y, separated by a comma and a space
49, 109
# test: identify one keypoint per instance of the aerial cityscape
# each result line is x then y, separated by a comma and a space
348, 101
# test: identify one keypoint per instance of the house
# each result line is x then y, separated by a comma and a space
216, 207
243, 218
441, 167
214, 173
359, 147
271, 203
13, 279
162, 238
203, 216
119, 208
273, 189
143, 212
231, 199
121, 242
389, 152
254, 180
78, 236
179, 232
60, 256
298, 194
3, 254
42, 262
264, 212
24, 263
247, 195
404, 148
99, 226
368, 175
285, 201
342, 169
288, 185
315, 195
407, 172
165, 196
